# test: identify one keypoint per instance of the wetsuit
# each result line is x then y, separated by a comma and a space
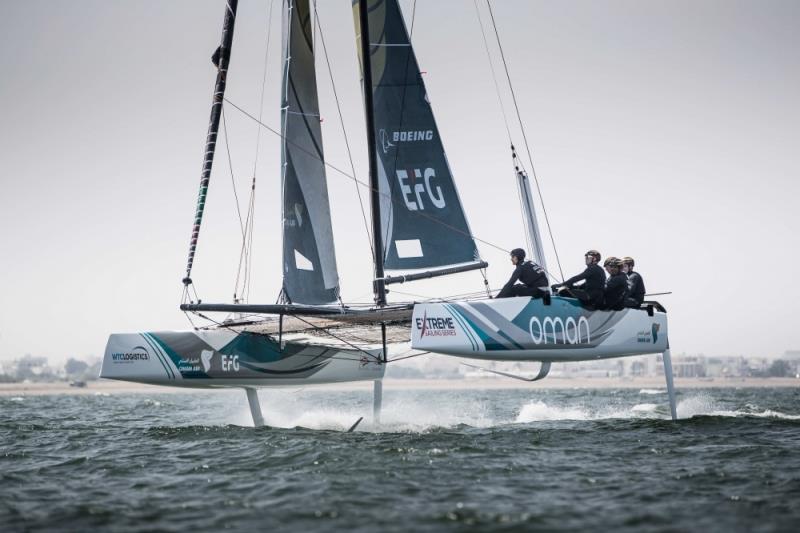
615, 292
636, 290
591, 291
533, 278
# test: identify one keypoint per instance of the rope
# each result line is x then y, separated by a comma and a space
406, 357
272, 338
245, 254
327, 332
341, 122
263, 85
494, 75
236, 199
505, 117
525, 138
346, 175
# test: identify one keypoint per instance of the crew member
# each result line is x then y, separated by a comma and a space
616, 289
590, 292
532, 277
636, 290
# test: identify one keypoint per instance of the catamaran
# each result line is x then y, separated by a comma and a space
419, 230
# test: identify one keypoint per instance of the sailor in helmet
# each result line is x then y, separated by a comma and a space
636, 290
616, 289
590, 292
532, 277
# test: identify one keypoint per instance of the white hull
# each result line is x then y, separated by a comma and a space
223, 358
525, 329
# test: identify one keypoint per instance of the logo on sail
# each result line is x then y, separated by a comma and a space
412, 136
418, 187
383, 137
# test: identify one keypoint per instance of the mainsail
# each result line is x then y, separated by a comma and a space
309, 259
422, 221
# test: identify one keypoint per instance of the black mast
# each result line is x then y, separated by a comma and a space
378, 286
220, 58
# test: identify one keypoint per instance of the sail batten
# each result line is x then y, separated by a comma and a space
310, 275
422, 219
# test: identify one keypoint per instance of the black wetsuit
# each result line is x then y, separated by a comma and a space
615, 292
591, 291
636, 290
533, 278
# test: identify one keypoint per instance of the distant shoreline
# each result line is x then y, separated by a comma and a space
120, 387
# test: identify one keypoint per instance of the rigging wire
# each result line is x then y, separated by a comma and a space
247, 243
528, 241
251, 225
263, 85
230, 167
341, 122
345, 174
272, 338
514, 161
525, 138
340, 339
494, 74
400, 358
236, 199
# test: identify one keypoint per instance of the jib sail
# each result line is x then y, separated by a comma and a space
422, 220
309, 260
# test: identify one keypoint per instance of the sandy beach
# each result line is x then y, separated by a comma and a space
104, 386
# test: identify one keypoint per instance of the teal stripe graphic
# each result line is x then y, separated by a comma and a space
464, 326
167, 354
487, 340
160, 347
154, 346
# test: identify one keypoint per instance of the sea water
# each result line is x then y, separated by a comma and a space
441, 460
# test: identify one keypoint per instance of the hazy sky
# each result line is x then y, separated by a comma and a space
668, 131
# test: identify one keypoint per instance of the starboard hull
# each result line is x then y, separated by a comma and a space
525, 329
224, 358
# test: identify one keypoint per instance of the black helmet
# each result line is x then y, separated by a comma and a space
628, 261
519, 253
594, 253
613, 262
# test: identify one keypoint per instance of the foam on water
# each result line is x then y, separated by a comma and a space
704, 405
285, 409
539, 411
652, 391
644, 408
699, 404
400, 415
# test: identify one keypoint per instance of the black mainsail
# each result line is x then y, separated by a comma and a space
309, 260
422, 221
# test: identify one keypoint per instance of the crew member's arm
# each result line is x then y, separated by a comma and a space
514, 278
574, 279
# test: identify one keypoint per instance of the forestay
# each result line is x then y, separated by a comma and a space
309, 260
422, 219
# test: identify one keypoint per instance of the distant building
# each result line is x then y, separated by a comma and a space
791, 355
689, 367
